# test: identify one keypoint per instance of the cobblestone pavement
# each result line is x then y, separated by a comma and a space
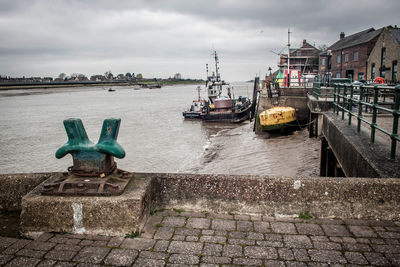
179, 238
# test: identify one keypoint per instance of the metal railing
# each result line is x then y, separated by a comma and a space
354, 100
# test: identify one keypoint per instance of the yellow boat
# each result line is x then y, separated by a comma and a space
277, 118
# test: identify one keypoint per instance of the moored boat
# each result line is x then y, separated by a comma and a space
277, 118
220, 107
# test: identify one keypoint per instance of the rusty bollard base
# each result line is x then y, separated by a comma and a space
72, 185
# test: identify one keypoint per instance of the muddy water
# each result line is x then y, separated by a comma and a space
153, 133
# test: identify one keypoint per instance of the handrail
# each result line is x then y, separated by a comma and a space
367, 98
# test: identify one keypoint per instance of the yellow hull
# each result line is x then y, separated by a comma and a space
277, 118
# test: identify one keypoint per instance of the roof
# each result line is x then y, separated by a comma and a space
356, 39
396, 34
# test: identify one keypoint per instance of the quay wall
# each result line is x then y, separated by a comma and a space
375, 198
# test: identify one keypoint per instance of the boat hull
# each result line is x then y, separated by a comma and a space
228, 116
277, 118
191, 115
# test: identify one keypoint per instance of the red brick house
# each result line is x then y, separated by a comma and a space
347, 58
304, 59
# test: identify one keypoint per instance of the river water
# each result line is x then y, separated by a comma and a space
153, 133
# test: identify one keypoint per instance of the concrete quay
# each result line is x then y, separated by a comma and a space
183, 238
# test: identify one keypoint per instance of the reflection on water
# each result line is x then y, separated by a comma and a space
153, 133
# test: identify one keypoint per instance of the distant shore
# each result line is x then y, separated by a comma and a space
45, 85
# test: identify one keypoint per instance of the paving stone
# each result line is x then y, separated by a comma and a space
220, 216
143, 262
19, 244
260, 252
241, 217
192, 214
178, 237
138, 243
99, 243
319, 238
393, 229
347, 239
262, 227
67, 247
285, 254
244, 226
386, 248
295, 264
86, 242
273, 237
283, 228
277, 244
356, 247
300, 255
121, 257
44, 237
309, 229
355, 258
335, 230
192, 238
208, 265
165, 233
221, 224
363, 240
236, 234
212, 239
327, 245
255, 217
198, 223
255, 236
64, 264
173, 221
247, 262
362, 231
37, 245
389, 235
187, 231
161, 246
192, 248
376, 259
153, 255
60, 255
6, 242
236, 241
215, 260
5, 258
85, 264
92, 255
46, 263
392, 241
23, 261
394, 258
221, 233
212, 249
63, 240
150, 226
329, 256
115, 241
328, 221
184, 259
31, 253
232, 251
207, 232
297, 241
382, 223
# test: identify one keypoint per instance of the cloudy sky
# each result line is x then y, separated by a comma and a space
159, 38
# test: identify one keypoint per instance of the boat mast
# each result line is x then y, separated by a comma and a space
216, 65
288, 62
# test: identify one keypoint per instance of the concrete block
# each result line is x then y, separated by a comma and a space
112, 215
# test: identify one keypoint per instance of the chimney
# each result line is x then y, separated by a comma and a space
342, 35
304, 42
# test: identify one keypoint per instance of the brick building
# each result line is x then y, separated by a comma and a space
347, 58
304, 59
385, 56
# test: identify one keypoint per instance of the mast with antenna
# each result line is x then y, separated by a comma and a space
288, 65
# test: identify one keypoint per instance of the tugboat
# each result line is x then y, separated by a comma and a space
194, 112
219, 107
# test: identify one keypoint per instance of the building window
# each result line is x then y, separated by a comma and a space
394, 71
323, 61
337, 74
338, 59
373, 71
361, 76
355, 56
298, 53
346, 57
383, 62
